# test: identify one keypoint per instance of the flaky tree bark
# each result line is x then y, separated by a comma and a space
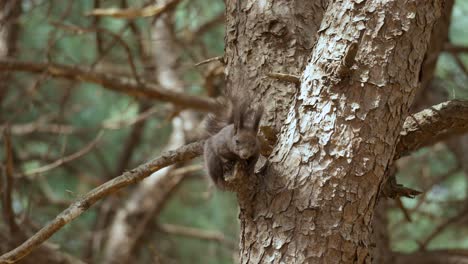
314, 202
265, 37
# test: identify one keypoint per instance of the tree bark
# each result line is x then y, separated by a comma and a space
314, 202
269, 37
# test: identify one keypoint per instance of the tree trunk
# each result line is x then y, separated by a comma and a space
439, 36
269, 37
315, 200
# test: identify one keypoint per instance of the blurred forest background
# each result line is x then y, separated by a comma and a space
70, 134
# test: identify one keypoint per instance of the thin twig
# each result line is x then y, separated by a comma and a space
442, 227
66, 159
197, 233
183, 153
80, 30
118, 84
449, 47
42, 126
217, 58
8, 212
132, 13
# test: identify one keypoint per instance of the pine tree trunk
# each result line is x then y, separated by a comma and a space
314, 201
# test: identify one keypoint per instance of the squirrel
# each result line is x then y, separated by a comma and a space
232, 139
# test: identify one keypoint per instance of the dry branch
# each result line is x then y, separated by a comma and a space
184, 153
442, 227
449, 47
421, 129
198, 234
431, 125
8, 213
436, 256
132, 13
80, 30
66, 159
118, 84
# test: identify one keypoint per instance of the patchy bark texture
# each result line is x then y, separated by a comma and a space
315, 201
269, 37
434, 124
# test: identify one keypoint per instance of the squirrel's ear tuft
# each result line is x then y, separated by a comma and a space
257, 117
238, 120
239, 114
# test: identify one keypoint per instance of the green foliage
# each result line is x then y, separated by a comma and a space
86, 107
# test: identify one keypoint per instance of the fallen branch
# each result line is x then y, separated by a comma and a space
118, 84
183, 153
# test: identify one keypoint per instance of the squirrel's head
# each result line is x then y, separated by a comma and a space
244, 142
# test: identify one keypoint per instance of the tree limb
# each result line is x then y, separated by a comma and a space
8, 213
209, 235
442, 256
431, 125
117, 84
133, 13
66, 159
79, 206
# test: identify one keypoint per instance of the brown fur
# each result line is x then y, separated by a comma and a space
233, 138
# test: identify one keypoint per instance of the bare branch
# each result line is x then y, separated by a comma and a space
66, 159
183, 153
449, 47
8, 212
439, 256
431, 125
197, 233
118, 84
116, 37
132, 13
217, 58
439, 229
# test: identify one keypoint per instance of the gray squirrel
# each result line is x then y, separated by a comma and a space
232, 138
